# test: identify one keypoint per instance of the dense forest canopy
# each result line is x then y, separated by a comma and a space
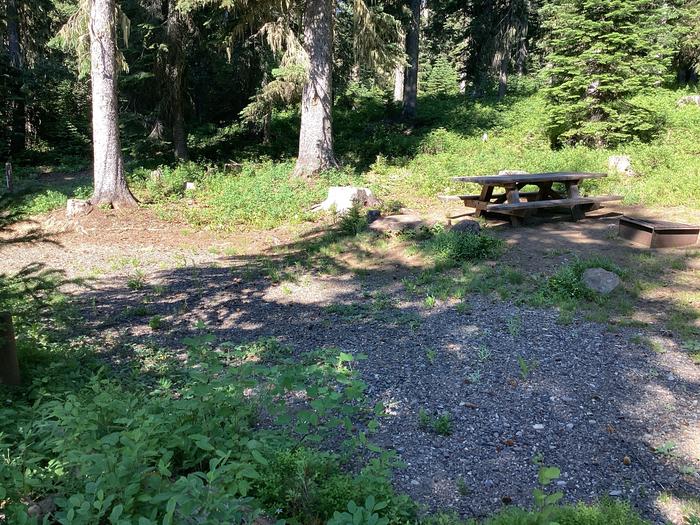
188, 68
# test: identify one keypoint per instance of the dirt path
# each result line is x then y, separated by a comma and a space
519, 388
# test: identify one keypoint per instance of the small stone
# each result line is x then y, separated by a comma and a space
466, 226
415, 482
397, 223
626, 460
488, 483
615, 493
569, 426
538, 426
600, 280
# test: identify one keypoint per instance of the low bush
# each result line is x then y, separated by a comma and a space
449, 248
353, 222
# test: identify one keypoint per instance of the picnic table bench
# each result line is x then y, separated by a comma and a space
518, 205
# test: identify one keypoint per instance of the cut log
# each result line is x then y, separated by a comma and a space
343, 198
9, 366
77, 208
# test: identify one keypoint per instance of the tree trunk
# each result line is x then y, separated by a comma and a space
523, 25
316, 134
175, 78
410, 87
17, 104
9, 367
502, 76
108, 165
398, 83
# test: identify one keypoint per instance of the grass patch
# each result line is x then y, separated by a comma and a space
449, 249
256, 195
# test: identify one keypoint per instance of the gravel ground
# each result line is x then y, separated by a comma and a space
582, 396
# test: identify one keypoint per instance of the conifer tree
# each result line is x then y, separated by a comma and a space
600, 53
442, 79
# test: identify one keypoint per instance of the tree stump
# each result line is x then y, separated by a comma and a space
9, 366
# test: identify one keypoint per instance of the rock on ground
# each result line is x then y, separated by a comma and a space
600, 280
466, 226
397, 223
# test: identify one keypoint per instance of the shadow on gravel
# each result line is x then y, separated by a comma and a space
585, 398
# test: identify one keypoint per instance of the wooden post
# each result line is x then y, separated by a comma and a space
8, 176
9, 366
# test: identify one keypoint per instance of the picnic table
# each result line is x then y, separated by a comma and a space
518, 204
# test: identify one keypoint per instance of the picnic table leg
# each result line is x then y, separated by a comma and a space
572, 192
544, 189
486, 194
513, 196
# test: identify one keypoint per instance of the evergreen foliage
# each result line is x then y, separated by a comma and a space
599, 55
442, 79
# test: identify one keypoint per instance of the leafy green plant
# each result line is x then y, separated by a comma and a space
667, 448
443, 424
483, 354
526, 367
514, 325
462, 487
137, 281
155, 322
353, 221
544, 502
361, 515
450, 248
692, 519
440, 424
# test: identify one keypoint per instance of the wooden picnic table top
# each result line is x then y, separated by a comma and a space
559, 176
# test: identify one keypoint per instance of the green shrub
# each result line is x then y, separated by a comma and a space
442, 79
353, 222
126, 452
449, 248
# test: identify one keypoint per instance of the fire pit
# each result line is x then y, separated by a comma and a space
658, 234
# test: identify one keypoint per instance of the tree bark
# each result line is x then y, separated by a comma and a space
108, 165
9, 366
502, 76
316, 133
175, 78
410, 87
398, 83
17, 104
